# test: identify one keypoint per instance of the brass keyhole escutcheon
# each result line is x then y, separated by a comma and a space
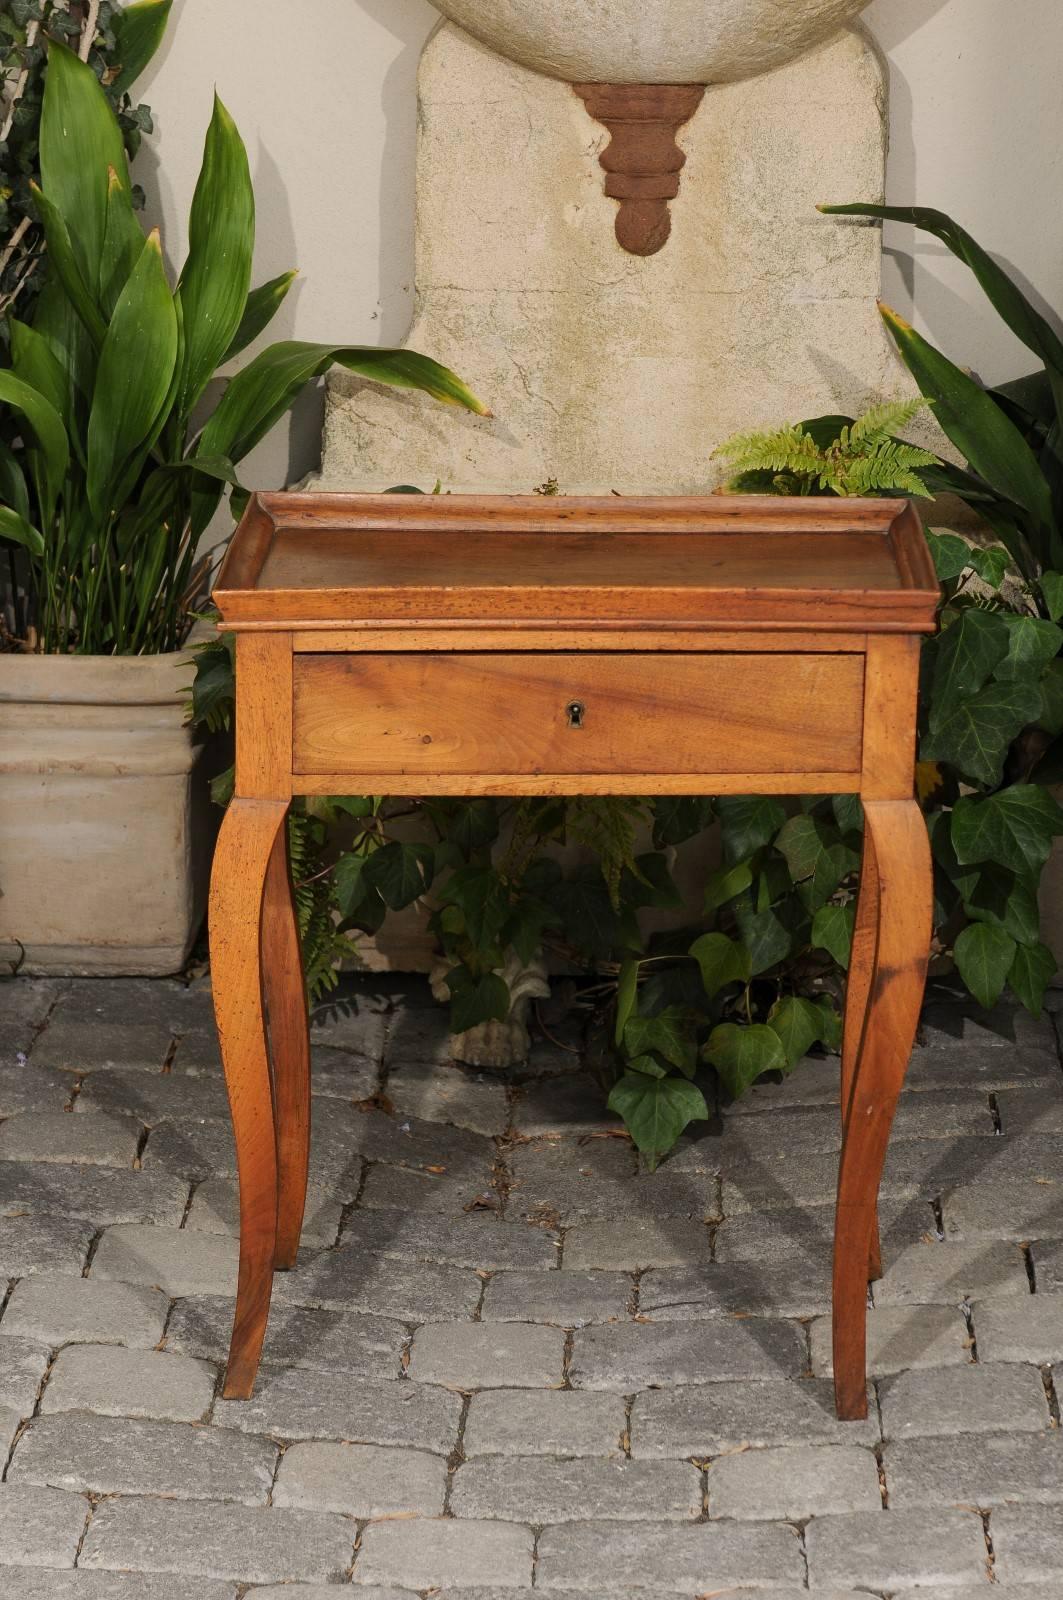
574, 712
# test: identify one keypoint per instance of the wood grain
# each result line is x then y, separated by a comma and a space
289, 1038
857, 993
904, 902
264, 722
417, 715
890, 703
245, 847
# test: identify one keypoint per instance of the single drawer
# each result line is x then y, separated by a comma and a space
572, 713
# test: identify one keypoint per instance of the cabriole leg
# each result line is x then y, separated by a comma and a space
289, 1037
858, 989
900, 856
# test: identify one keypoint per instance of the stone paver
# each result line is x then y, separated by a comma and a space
248, 1544
896, 1550
509, 1362
361, 1480
793, 1483
117, 1455
899, 1337
68, 1310
601, 1557
499, 1355
655, 1354
39, 1527
545, 1422
988, 1398
129, 1383
1022, 1330
93, 1139
718, 1418
427, 1554
297, 1336
540, 1489
976, 1470
175, 1260
102, 1194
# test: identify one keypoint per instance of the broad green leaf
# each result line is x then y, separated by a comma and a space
804, 840
1051, 687
975, 423
670, 1034
133, 378
650, 883
472, 823
138, 29
656, 1110
765, 935
832, 930
726, 883
80, 140
974, 736
349, 882
1004, 295
122, 243
1052, 590
221, 242
648, 1065
990, 562
14, 527
476, 1000
50, 453
748, 822
799, 1023
405, 369
1031, 972
1014, 827
964, 657
68, 270
678, 817
1032, 642
401, 871
830, 1024
262, 306
32, 361
627, 991
848, 812
722, 961
951, 554
984, 955
481, 897
992, 893
742, 1054
13, 488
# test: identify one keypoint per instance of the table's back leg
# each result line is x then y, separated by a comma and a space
903, 876
285, 992
857, 992
241, 861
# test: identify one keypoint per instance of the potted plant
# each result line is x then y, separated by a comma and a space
105, 492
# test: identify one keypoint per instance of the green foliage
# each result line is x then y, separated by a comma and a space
108, 472
861, 457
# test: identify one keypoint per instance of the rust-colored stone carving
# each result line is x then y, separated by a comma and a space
642, 161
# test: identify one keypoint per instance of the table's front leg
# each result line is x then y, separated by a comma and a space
902, 900
857, 994
245, 849
284, 987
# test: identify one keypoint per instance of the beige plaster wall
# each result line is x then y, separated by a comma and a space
323, 92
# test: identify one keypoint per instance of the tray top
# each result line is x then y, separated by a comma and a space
301, 560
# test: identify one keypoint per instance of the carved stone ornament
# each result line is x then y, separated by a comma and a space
642, 161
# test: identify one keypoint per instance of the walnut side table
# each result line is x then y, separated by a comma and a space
499, 645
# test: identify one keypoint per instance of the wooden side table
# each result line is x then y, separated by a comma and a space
508, 646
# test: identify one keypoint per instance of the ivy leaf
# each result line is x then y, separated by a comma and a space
951, 554
475, 1000
656, 1110
670, 1034
649, 1066
990, 563
1031, 643
742, 1054
1014, 827
798, 1023
627, 993
1052, 590
480, 896
473, 824
848, 812
975, 734
964, 657
1002, 897
722, 961
830, 1024
677, 818
832, 930
349, 883
802, 840
401, 872
727, 883
585, 913
984, 955
1031, 972
748, 822
651, 883
765, 935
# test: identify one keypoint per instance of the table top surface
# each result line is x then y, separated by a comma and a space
302, 559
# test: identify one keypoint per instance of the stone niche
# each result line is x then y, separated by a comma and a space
609, 371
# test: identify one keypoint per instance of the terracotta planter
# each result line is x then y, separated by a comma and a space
105, 816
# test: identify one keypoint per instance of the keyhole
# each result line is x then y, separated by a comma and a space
574, 711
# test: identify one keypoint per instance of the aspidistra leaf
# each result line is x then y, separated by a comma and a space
80, 141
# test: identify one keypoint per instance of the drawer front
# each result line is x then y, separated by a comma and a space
571, 713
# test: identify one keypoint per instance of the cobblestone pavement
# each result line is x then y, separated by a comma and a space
506, 1361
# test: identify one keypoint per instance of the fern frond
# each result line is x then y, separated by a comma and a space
788, 449
880, 423
607, 825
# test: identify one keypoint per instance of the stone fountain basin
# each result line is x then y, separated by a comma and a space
651, 41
